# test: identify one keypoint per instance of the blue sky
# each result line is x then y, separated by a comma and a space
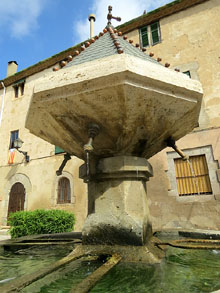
32, 30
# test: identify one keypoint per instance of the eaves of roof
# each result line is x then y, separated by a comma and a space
154, 15
145, 19
44, 64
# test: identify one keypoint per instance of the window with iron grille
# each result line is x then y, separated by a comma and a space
150, 33
192, 178
64, 192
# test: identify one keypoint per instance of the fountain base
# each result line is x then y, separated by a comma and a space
118, 207
148, 254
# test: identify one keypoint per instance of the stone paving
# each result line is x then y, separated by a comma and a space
4, 234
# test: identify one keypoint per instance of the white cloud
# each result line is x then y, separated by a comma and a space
126, 9
20, 16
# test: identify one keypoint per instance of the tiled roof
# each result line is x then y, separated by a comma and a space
155, 15
159, 13
109, 43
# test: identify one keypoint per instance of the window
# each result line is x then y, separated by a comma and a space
151, 32
144, 36
22, 88
64, 193
155, 33
19, 88
187, 73
58, 150
192, 178
16, 91
13, 137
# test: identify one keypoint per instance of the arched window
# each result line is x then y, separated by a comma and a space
64, 192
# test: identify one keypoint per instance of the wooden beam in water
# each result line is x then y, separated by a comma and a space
192, 243
41, 243
87, 284
22, 282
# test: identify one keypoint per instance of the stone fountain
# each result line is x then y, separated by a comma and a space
114, 107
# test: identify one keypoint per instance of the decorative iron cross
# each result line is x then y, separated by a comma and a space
110, 16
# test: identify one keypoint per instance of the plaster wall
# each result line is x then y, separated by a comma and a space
190, 42
168, 209
38, 176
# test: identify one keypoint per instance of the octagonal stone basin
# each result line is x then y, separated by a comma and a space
137, 104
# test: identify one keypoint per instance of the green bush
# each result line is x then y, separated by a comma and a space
40, 222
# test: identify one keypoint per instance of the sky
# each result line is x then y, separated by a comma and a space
33, 30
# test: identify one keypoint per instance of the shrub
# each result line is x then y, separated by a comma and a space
40, 222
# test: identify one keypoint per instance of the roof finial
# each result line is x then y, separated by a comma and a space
110, 16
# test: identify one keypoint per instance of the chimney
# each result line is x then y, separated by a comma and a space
91, 19
12, 68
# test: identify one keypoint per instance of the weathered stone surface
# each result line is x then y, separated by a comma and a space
218, 174
148, 253
118, 207
217, 196
137, 104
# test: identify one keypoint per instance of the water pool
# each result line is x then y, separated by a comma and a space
182, 270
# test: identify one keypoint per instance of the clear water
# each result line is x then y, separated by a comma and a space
26, 261
181, 271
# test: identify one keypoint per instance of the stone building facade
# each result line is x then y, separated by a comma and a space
188, 37
38, 176
185, 34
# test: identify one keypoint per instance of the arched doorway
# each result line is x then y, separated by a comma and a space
16, 198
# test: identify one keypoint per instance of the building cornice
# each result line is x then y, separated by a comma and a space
155, 15
42, 65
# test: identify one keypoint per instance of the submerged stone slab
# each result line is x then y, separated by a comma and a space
118, 207
138, 104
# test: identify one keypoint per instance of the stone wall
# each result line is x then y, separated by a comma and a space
190, 41
168, 209
39, 175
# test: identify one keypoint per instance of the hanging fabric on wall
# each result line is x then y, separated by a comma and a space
11, 156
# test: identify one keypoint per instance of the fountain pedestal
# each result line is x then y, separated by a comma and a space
118, 207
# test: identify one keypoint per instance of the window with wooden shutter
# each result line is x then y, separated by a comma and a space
144, 36
58, 150
155, 33
64, 192
150, 32
193, 178
187, 73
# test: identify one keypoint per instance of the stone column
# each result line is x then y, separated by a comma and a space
118, 207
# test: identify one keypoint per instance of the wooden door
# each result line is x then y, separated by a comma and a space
16, 198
